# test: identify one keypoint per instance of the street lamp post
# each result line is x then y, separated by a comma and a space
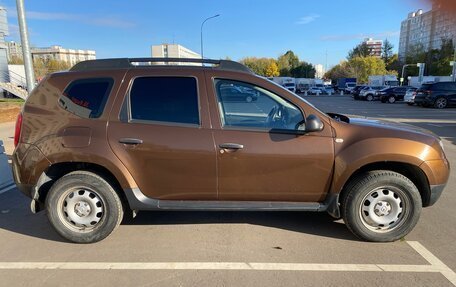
202, 24
28, 63
403, 71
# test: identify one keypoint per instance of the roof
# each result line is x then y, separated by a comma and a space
126, 63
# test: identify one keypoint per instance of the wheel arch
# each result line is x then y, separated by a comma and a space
57, 170
411, 171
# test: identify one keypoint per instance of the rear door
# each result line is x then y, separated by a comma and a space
160, 130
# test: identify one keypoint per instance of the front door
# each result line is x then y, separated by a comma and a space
162, 134
260, 155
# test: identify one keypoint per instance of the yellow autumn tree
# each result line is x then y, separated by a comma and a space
272, 70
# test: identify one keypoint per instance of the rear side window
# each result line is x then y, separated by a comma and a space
86, 97
165, 99
445, 86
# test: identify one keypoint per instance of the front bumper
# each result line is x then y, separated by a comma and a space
436, 192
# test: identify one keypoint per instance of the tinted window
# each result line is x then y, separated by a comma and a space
87, 97
445, 86
255, 107
165, 99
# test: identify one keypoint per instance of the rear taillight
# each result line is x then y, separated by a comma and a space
17, 131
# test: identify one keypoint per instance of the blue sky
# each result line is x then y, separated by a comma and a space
245, 28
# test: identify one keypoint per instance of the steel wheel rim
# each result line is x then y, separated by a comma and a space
369, 98
384, 209
81, 209
441, 103
391, 100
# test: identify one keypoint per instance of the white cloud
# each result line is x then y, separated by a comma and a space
307, 19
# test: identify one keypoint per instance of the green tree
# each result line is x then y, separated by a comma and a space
387, 51
287, 62
394, 64
363, 67
342, 70
303, 70
362, 50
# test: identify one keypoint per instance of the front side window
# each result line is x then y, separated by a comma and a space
86, 97
165, 99
253, 107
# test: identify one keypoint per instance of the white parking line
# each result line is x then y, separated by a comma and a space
436, 266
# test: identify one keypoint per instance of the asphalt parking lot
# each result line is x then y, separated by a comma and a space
240, 248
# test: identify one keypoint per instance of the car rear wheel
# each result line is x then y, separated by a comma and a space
391, 99
369, 98
381, 206
440, 103
83, 207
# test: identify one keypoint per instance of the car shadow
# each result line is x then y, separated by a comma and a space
15, 216
320, 224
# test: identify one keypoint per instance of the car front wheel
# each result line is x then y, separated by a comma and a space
381, 206
83, 207
440, 103
369, 98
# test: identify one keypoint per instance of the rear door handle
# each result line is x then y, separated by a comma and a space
232, 146
130, 141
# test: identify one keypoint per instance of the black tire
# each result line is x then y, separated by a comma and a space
88, 189
410, 104
440, 103
394, 191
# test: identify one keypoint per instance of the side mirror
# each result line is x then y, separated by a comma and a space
311, 124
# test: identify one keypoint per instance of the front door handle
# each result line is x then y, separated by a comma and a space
130, 141
231, 146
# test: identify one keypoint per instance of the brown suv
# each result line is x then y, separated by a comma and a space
122, 135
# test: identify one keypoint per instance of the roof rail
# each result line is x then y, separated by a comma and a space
125, 63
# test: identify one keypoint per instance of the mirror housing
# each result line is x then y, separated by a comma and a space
311, 124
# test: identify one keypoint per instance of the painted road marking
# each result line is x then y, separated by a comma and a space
436, 266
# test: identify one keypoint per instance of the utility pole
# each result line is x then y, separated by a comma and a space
202, 24
28, 63
454, 66
326, 63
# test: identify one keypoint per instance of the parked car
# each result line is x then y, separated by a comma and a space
409, 97
369, 93
233, 93
117, 136
329, 90
393, 94
314, 91
438, 95
356, 91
